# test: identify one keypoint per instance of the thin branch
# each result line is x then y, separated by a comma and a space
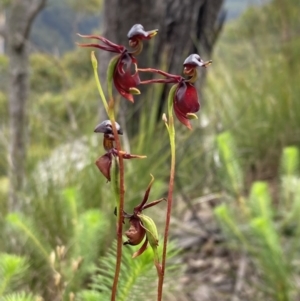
34, 9
120, 210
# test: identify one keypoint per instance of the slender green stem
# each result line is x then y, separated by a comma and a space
100, 90
171, 131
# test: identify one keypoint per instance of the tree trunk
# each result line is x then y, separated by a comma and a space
118, 17
190, 26
20, 17
185, 27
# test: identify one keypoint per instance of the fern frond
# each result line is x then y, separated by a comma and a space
18, 297
138, 277
260, 200
27, 231
12, 268
89, 232
90, 295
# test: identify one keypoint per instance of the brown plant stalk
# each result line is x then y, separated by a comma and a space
121, 203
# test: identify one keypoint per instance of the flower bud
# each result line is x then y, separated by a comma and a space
94, 60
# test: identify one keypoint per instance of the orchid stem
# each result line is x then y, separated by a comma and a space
120, 206
119, 192
100, 90
171, 131
120, 202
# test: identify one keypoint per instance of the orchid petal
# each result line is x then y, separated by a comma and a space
104, 165
194, 59
107, 48
141, 250
112, 46
134, 91
105, 127
137, 31
146, 196
191, 116
126, 82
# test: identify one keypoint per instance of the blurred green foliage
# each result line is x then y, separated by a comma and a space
254, 86
13, 272
245, 142
47, 75
138, 277
268, 231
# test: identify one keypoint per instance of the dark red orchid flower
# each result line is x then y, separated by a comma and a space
140, 228
186, 100
104, 162
125, 75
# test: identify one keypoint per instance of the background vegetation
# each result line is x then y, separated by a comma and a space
244, 148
